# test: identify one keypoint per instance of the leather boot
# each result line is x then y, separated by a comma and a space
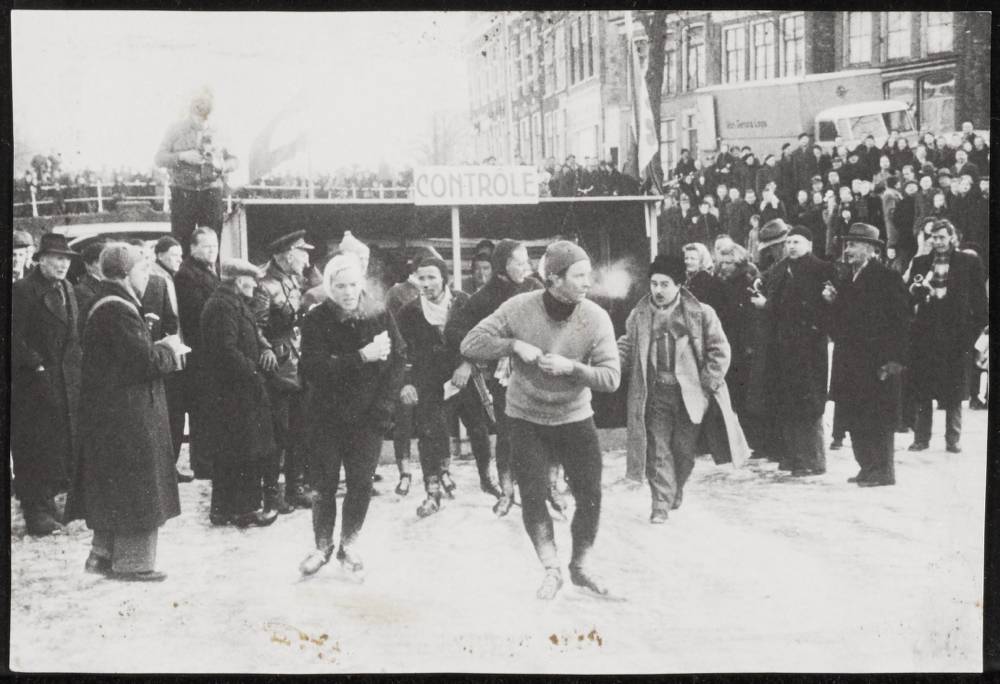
299, 495
503, 505
274, 501
432, 504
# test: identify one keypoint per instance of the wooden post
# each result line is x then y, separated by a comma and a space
34, 201
100, 197
456, 251
166, 198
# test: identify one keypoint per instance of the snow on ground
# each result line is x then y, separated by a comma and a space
756, 572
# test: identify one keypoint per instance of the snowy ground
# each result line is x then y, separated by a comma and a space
757, 572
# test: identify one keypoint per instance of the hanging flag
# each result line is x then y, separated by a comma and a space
648, 150
284, 138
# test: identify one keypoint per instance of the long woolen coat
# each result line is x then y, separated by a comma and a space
940, 347
238, 422
789, 377
126, 480
868, 324
44, 404
702, 359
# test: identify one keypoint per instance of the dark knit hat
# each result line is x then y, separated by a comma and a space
234, 268
562, 254
437, 262
668, 265
801, 230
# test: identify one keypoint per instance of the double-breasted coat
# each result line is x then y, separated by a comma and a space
702, 359
868, 324
44, 403
126, 480
789, 377
944, 332
238, 422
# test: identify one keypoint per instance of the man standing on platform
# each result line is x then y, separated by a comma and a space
276, 307
198, 165
562, 347
869, 330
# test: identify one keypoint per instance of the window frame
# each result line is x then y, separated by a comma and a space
849, 38
740, 49
798, 41
926, 28
689, 47
767, 49
905, 28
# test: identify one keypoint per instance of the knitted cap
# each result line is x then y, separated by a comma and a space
561, 255
803, 231
772, 232
119, 258
234, 268
22, 238
349, 243
668, 265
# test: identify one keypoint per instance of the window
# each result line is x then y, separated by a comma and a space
560, 47
940, 32
762, 59
668, 145
904, 90
937, 102
581, 46
524, 141
536, 137
692, 135
591, 40
859, 37
595, 45
897, 29
574, 37
735, 44
549, 57
670, 66
550, 144
793, 53
827, 131
695, 57
642, 53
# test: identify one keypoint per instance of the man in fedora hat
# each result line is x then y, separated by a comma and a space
238, 429
46, 356
868, 324
276, 305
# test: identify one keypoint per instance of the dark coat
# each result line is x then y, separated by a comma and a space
86, 294
736, 221
769, 212
805, 166
44, 404
670, 227
433, 361
126, 481
707, 289
195, 282
944, 331
767, 174
156, 300
239, 422
868, 324
480, 305
345, 389
701, 228
789, 377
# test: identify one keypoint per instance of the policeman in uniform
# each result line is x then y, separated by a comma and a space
277, 303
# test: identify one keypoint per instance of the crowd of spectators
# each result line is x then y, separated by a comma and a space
895, 187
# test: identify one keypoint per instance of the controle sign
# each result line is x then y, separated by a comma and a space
455, 185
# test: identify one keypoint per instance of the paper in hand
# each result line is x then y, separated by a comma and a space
450, 390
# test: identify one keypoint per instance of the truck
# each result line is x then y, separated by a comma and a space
766, 114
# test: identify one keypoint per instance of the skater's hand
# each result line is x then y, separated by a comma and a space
759, 301
190, 156
554, 364
528, 353
829, 292
891, 368
408, 395
377, 350
460, 378
268, 361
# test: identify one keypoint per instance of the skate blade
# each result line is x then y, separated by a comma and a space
608, 598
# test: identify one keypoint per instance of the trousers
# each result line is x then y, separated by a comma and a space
925, 419
576, 446
192, 208
287, 415
801, 443
671, 445
127, 551
356, 448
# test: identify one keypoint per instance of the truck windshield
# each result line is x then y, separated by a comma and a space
869, 124
899, 121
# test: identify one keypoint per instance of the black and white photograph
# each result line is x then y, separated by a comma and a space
605, 341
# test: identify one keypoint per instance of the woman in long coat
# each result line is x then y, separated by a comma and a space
126, 485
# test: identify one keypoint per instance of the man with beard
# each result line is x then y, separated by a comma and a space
868, 326
948, 289
562, 347
353, 359
433, 363
511, 276
795, 365
276, 305
46, 359
239, 435
195, 281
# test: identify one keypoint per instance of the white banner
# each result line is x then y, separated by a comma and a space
456, 185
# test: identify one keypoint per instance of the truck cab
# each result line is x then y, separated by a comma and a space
854, 122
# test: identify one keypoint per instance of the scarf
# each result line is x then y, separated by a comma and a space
437, 314
557, 310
